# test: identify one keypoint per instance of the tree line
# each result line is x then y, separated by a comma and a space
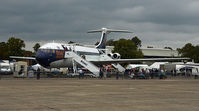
190, 51
15, 47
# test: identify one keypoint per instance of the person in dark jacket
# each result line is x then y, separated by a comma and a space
101, 73
117, 74
38, 73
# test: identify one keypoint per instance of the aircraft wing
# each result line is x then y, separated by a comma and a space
26, 58
138, 60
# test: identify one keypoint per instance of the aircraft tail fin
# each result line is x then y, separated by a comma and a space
105, 31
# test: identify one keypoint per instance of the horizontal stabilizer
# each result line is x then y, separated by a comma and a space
94, 31
109, 30
123, 31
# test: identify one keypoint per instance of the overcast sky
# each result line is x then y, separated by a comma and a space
157, 23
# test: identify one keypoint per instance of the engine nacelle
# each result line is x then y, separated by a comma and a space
114, 55
110, 55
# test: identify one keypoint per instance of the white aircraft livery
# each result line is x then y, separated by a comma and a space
58, 55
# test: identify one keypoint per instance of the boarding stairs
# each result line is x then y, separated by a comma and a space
86, 64
116, 65
119, 67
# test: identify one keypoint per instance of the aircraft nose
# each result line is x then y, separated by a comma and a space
40, 56
43, 58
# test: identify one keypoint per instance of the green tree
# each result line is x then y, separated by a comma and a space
127, 49
71, 42
195, 54
4, 50
36, 47
15, 46
189, 51
136, 41
186, 50
110, 42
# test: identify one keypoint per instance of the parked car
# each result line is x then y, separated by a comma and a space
5, 70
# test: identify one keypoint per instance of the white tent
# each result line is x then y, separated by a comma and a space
156, 65
130, 66
178, 67
36, 66
195, 71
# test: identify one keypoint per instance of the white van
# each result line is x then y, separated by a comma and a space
5, 68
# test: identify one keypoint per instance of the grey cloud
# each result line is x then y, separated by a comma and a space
69, 20
162, 12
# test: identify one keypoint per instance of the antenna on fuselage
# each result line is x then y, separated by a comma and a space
105, 31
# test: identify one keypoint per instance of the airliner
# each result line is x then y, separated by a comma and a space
59, 55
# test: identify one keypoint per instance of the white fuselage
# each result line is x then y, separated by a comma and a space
53, 55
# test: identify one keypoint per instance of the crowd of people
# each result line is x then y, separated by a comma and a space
141, 73
133, 73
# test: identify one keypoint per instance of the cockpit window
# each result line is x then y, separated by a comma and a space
53, 50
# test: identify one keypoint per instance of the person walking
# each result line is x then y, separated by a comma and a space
81, 74
108, 72
101, 73
38, 73
117, 74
